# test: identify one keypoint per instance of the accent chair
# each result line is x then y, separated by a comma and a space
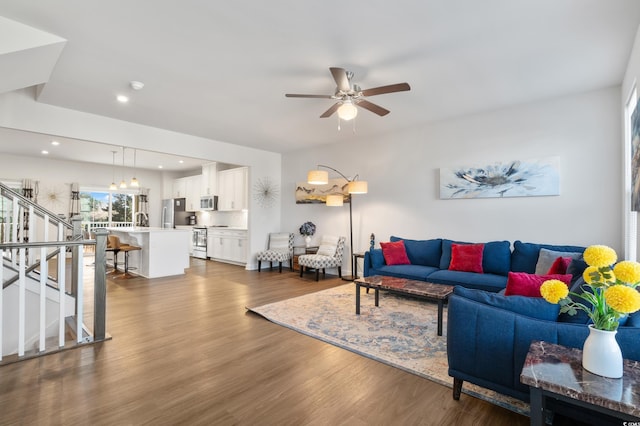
279, 249
329, 255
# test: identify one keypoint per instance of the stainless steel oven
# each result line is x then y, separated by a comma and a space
200, 243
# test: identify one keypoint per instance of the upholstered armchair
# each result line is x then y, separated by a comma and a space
279, 249
329, 255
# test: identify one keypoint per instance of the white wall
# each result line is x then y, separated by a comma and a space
403, 174
19, 110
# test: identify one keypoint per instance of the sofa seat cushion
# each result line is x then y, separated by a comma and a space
422, 252
525, 255
411, 272
534, 307
489, 282
496, 256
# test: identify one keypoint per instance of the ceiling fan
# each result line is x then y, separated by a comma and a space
349, 95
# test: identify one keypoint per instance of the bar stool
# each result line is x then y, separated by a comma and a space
113, 246
126, 249
118, 247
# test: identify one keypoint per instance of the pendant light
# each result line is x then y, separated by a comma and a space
123, 184
134, 182
113, 185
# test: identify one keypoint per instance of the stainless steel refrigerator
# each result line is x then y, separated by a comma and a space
173, 213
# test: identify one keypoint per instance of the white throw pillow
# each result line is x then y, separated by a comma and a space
328, 245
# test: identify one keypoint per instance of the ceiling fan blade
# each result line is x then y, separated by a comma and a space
340, 76
293, 95
400, 87
331, 110
373, 107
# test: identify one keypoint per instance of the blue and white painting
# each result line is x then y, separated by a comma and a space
519, 178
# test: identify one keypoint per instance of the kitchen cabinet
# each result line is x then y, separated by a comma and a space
232, 189
188, 188
192, 192
179, 188
227, 245
209, 181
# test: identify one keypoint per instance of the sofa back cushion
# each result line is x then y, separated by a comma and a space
525, 255
422, 252
496, 257
534, 307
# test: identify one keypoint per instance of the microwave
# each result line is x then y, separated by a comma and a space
209, 202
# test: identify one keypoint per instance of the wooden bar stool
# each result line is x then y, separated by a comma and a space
126, 249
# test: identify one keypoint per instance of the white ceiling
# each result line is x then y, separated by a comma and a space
220, 69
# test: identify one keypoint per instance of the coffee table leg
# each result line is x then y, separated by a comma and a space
377, 297
440, 305
537, 406
357, 299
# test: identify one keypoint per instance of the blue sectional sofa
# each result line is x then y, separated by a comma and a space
430, 260
488, 337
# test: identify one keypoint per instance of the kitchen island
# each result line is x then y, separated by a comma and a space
165, 251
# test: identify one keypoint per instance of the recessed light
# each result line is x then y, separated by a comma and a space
181, 161
122, 98
55, 143
159, 166
44, 152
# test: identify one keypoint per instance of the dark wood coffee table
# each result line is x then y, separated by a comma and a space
420, 289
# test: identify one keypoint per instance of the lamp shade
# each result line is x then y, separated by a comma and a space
318, 177
347, 111
335, 200
358, 187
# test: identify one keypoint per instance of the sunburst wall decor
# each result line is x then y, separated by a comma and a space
265, 192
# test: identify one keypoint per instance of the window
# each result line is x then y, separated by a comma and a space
100, 209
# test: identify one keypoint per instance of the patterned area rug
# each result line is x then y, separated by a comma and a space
401, 332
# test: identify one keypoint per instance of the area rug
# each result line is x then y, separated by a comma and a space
401, 332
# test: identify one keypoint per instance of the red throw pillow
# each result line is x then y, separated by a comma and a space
466, 257
523, 284
559, 266
395, 253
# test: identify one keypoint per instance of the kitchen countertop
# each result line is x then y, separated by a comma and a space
142, 229
226, 228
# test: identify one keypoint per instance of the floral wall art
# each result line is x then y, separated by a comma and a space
317, 194
519, 178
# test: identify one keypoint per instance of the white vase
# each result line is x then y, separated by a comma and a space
601, 354
307, 240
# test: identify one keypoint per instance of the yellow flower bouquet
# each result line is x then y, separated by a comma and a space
609, 292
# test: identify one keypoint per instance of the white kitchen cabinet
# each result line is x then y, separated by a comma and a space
192, 192
227, 245
188, 188
232, 189
179, 188
209, 181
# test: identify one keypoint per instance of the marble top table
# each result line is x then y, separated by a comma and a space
421, 289
556, 371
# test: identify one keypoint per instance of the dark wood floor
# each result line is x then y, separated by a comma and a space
185, 351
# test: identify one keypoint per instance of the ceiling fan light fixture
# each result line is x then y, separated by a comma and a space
347, 111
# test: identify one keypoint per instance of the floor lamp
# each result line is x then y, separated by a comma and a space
354, 186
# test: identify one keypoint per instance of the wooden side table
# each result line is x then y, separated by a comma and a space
555, 371
300, 250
